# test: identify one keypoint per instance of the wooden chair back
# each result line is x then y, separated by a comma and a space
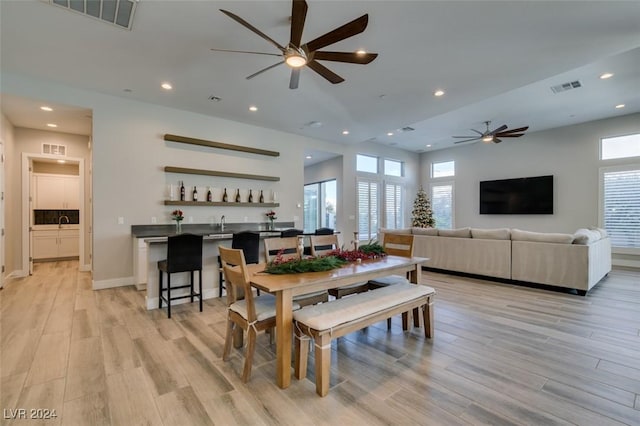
323, 244
237, 277
398, 244
288, 246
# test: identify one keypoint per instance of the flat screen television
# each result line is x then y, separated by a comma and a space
529, 195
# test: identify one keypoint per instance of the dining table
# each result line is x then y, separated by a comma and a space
285, 286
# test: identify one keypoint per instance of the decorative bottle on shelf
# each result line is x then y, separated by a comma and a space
195, 194
225, 197
250, 196
261, 197
209, 195
238, 196
181, 191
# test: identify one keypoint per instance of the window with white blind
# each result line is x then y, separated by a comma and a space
393, 211
368, 190
442, 204
620, 205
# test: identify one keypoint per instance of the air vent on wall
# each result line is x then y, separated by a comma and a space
566, 86
48, 148
116, 12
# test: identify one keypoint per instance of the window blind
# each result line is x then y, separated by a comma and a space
622, 207
442, 205
367, 209
393, 206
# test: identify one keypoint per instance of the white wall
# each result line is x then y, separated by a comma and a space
570, 154
12, 206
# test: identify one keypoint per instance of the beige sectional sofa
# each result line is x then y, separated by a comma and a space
576, 261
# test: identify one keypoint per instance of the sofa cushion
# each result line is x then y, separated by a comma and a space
586, 236
491, 234
395, 231
541, 237
424, 231
458, 233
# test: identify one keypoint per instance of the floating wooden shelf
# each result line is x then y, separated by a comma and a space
188, 171
218, 203
220, 145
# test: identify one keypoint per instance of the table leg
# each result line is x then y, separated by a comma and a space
284, 320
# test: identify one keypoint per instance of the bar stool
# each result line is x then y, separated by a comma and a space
249, 243
184, 254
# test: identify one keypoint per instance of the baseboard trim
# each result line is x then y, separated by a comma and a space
85, 268
16, 274
626, 263
112, 283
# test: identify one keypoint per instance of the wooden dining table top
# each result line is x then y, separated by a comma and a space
308, 281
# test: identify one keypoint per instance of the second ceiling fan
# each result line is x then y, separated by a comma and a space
493, 136
297, 55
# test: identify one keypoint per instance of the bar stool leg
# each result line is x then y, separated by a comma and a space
191, 286
160, 290
200, 287
168, 295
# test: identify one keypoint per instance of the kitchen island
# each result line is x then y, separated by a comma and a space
150, 246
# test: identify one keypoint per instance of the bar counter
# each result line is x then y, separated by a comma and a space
150, 246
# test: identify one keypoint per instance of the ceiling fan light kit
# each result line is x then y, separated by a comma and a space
297, 55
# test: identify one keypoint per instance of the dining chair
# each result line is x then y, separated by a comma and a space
323, 244
249, 242
251, 313
184, 254
394, 245
324, 231
291, 233
288, 248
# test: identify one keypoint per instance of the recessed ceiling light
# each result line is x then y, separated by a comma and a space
345, 132
390, 134
253, 108
308, 157
606, 75
46, 108
166, 86
61, 161
438, 93
620, 106
361, 52
52, 125
429, 146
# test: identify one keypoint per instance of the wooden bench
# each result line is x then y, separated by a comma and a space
339, 317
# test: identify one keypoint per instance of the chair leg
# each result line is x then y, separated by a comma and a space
200, 288
191, 285
301, 352
160, 290
416, 317
228, 339
388, 323
168, 295
405, 321
323, 364
248, 360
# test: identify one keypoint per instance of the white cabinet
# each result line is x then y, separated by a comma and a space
57, 192
55, 243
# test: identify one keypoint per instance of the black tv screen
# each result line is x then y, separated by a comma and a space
529, 195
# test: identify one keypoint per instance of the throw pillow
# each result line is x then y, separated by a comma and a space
585, 236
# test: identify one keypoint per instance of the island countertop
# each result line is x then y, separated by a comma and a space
208, 231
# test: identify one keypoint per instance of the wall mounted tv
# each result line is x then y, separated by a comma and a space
529, 195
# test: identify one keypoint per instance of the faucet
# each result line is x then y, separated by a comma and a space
60, 220
222, 223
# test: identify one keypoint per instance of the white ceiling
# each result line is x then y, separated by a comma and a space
495, 60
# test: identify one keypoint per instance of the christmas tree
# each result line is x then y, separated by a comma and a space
422, 214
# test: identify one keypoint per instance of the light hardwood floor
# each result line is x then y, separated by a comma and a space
502, 354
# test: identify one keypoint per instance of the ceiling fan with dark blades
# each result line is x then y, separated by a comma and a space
494, 135
297, 55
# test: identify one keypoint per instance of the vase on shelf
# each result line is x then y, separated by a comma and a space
178, 227
271, 227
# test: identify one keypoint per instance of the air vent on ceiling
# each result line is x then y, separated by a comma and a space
407, 129
566, 86
48, 148
116, 12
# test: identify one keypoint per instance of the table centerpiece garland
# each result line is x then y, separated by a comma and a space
332, 260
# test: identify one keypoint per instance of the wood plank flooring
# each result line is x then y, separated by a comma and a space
502, 354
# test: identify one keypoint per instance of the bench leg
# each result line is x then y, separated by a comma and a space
405, 321
427, 312
301, 351
416, 317
323, 364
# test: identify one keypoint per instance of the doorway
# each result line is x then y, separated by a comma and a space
31, 162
